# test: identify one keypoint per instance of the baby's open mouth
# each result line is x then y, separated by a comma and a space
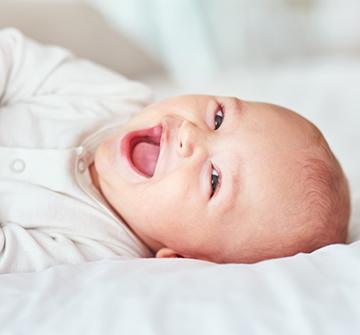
144, 150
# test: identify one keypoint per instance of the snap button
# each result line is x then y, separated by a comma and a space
79, 150
81, 165
17, 165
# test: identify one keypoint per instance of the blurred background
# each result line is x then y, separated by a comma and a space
192, 41
303, 54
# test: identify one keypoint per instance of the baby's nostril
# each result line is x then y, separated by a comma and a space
180, 144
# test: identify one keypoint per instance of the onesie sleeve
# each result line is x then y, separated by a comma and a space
24, 65
29, 69
30, 249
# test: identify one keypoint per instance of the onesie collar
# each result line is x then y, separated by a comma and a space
85, 154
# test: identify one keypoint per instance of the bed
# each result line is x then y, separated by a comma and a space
314, 293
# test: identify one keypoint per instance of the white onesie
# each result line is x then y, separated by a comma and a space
54, 110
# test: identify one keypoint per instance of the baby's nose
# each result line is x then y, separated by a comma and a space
189, 138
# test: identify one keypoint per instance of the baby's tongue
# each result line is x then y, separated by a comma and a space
145, 156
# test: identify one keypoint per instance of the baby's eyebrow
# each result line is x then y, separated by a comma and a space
230, 187
235, 181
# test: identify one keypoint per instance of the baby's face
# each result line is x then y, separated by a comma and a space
225, 177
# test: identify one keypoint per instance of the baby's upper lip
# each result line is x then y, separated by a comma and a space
164, 142
168, 159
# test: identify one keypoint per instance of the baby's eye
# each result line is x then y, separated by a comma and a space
219, 117
214, 181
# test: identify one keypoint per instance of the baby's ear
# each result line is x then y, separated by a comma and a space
167, 253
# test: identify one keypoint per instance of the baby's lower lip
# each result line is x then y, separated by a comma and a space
126, 145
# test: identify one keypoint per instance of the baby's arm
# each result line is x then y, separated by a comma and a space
29, 69
24, 65
30, 249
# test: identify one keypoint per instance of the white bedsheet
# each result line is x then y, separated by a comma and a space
305, 294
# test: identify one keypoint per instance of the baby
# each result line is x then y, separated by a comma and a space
90, 169
223, 179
